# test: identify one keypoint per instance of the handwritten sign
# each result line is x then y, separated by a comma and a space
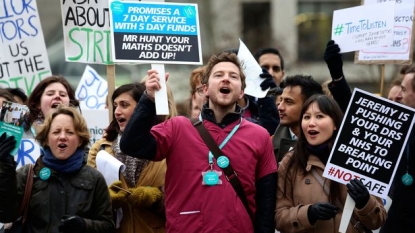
363, 27
165, 33
86, 30
23, 58
92, 90
370, 143
400, 48
29, 152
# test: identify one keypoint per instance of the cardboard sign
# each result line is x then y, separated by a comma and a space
86, 31
370, 142
399, 51
96, 125
363, 27
153, 32
23, 57
29, 152
92, 90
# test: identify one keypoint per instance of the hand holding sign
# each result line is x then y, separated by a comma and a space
153, 83
358, 192
7, 145
268, 82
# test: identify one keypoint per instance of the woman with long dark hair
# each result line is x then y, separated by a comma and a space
308, 202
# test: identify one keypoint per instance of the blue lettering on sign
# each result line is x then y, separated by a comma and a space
25, 152
93, 100
12, 24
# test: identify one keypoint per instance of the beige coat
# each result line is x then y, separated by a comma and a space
137, 220
303, 191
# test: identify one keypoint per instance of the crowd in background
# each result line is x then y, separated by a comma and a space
274, 149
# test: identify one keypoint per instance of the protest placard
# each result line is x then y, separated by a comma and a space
86, 31
23, 58
96, 125
399, 51
153, 32
363, 27
29, 152
252, 71
92, 90
370, 142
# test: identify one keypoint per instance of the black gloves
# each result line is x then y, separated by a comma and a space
358, 192
7, 145
321, 211
334, 60
268, 80
71, 224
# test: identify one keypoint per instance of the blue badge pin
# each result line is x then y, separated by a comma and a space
44, 174
223, 161
407, 179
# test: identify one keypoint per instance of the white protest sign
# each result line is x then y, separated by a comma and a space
252, 71
399, 48
23, 57
97, 121
370, 142
155, 32
92, 90
363, 27
28, 152
86, 31
109, 166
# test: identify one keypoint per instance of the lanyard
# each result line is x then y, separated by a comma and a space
33, 131
210, 156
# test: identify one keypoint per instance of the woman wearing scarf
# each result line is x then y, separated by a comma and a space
139, 193
303, 205
66, 196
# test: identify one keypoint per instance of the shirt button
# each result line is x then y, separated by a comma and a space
307, 181
62, 192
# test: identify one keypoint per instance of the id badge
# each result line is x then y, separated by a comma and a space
211, 178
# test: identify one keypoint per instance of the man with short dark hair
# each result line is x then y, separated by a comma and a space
297, 89
271, 60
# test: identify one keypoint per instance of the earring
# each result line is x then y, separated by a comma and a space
39, 119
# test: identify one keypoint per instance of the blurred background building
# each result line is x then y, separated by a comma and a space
300, 29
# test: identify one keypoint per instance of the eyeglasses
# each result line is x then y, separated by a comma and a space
199, 91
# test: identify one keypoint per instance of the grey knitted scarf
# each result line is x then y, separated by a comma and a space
134, 166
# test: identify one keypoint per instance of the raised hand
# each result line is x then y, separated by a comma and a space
334, 59
7, 145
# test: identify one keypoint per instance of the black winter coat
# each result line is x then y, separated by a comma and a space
84, 194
